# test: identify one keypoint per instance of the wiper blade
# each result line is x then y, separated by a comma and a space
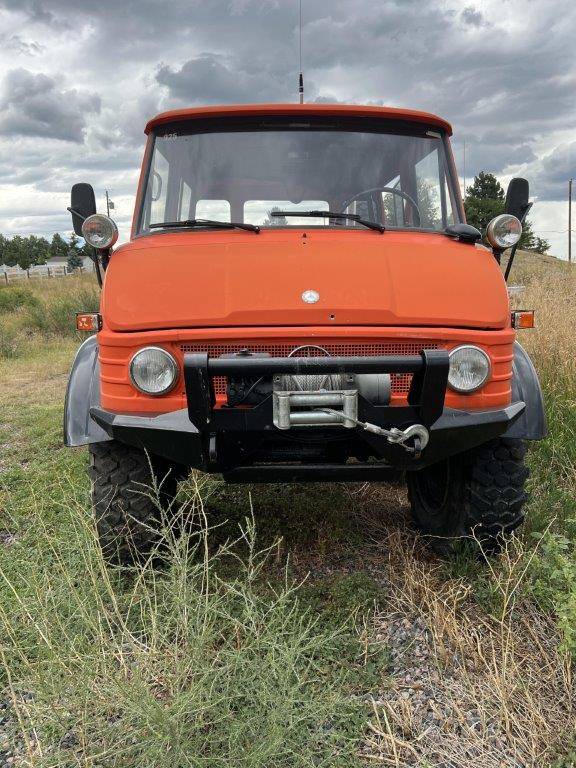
333, 215
191, 223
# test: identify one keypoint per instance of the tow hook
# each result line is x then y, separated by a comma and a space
416, 432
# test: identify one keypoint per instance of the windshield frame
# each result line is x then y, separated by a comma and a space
305, 122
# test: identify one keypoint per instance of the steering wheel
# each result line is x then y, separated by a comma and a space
392, 191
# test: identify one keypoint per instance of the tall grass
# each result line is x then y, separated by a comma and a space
43, 309
170, 663
551, 520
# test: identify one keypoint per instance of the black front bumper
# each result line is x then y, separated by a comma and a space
235, 441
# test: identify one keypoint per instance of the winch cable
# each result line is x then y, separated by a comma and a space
395, 436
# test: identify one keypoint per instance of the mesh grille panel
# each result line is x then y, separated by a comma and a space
400, 381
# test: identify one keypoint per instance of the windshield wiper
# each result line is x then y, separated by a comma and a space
191, 223
333, 215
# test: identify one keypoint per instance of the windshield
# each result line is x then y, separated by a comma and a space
393, 174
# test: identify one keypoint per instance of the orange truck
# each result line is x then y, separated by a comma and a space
301, 299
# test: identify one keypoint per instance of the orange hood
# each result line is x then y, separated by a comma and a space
229, 278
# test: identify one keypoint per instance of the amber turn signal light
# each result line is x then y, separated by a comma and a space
523, 318
88, 321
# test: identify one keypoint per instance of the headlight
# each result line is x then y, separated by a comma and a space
469, 369
504, 231
99, 231
153, 371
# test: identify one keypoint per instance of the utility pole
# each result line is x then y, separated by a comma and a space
464, 195
570, 220
109, 204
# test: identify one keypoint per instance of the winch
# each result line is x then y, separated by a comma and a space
322, 400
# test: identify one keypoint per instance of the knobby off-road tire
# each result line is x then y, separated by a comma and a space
478, 496
127, 512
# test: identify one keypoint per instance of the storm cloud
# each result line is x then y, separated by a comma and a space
80, 80
34, 105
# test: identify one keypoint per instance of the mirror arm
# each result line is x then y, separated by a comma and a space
515, 247
105, 257
76, 212
97, 269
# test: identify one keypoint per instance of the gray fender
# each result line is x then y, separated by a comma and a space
525, 386
82, 394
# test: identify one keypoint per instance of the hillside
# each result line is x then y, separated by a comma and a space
529, 265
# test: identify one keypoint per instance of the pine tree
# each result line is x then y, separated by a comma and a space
58, 247
485, 200
75, 260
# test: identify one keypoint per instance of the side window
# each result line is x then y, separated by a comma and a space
219, 210
158, 188
429, 192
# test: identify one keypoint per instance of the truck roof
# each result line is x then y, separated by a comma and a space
333, 110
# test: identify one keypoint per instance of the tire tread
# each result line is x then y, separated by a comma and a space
127, 516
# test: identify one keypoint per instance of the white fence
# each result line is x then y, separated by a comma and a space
15, 274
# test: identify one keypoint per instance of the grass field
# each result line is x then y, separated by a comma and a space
293, 626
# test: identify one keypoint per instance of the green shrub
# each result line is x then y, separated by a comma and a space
56, 314
9, 342
552, 580
15, 297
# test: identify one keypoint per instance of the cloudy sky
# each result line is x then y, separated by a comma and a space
79, 79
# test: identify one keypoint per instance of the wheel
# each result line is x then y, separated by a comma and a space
478, 495
125, 508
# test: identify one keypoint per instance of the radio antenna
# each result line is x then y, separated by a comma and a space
301, 77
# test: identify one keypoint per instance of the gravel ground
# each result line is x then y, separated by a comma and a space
8, 749
428, 717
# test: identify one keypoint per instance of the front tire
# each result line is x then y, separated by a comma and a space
126, 507
478, 495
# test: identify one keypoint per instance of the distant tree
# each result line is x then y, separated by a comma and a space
59, 247
485, 200
17, 252
75, 260
26, 252
428, 205
541, 245
39, 249
275, 221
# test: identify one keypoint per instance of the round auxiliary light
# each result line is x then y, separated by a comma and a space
99, 231
469, 369
153, 371
504, 231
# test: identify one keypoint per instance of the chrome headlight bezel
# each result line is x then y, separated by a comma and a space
107, 225
480, 383
171, 363
495, 239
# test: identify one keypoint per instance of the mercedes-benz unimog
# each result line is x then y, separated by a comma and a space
301, 299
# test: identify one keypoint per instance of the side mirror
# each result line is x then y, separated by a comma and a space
466, 233
517, 198
82, 205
